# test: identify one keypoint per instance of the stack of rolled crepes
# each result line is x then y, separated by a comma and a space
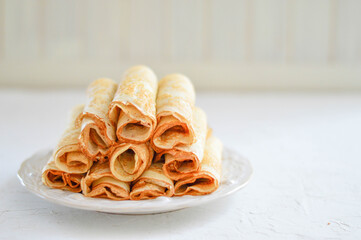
139, 140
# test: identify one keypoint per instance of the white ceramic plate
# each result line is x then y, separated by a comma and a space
236, 173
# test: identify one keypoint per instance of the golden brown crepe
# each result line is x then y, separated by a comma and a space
184, 159
129, 160
133, 110
152, 184
67, 155
208, 178
100, 183
175, 103
55, 178
97, 133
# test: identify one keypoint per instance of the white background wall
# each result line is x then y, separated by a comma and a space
229, 44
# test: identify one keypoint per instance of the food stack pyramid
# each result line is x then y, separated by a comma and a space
139, 140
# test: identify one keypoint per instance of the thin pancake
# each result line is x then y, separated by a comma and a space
152, 184
133, 110
97, 133
67, 155
185, 159
100, 183
207, 179
175, 103
55, 178
129, 160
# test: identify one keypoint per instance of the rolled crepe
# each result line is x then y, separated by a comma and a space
97, 133
133, 110
67, 155
100, 183
55, 178
208, 178
129, 160
175, 103
184, 159
152, 184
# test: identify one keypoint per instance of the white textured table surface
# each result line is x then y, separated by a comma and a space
305, 149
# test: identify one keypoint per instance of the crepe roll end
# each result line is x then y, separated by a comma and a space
129, 161
177, 163
93, 141
198, 184
70, 159
152, 184
131, 124
172, 131
54, 178
100, 183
